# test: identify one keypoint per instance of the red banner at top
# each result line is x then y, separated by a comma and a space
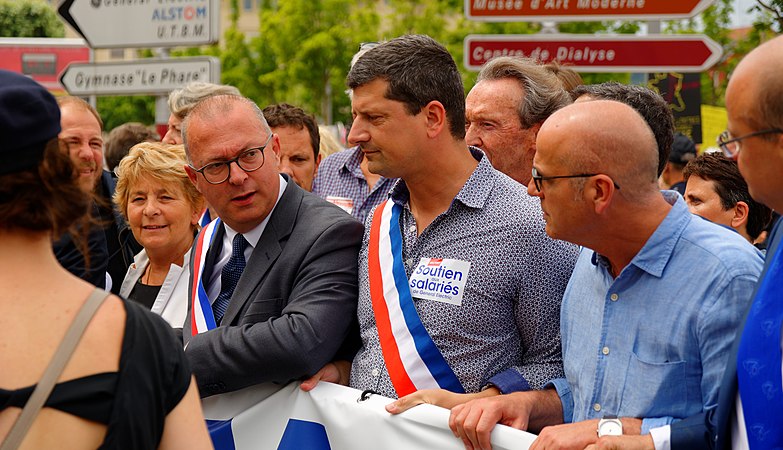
602, 53
582, 10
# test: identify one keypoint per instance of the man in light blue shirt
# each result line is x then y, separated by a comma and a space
654, 301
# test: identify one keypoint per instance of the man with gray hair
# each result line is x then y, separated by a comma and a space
181, 101
504, 110
274, 295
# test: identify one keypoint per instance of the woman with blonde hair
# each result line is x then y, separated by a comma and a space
162, 208
114, 376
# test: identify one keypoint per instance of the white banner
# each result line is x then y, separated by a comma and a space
332, 417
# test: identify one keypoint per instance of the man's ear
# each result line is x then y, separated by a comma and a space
435, 114
317, 164
192, 175
601, 190
534, 129
741, 213
275, 143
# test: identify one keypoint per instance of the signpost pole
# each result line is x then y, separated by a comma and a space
161, 102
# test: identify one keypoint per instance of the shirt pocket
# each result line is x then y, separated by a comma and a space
261, 310
654, 389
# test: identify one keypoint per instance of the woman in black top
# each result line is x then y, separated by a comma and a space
128, 384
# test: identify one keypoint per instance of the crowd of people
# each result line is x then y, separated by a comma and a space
541, 254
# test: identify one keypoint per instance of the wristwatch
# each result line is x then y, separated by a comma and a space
610, 426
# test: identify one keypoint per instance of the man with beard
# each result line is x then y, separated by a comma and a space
110, 244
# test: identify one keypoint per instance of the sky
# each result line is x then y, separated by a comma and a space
741, 17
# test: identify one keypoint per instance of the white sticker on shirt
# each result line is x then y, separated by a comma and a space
343, 202
439, 279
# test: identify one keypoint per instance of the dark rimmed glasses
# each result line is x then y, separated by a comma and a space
731, 145
249, 160
538, 179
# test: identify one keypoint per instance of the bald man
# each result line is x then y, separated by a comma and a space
750, 402
643, 340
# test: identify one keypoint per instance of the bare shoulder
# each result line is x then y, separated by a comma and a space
101, 346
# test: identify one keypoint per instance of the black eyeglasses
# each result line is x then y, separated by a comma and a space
731, 146
249, 160
538, 179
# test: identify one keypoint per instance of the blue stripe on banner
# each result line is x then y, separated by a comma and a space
304, 435
429, 352
220, 432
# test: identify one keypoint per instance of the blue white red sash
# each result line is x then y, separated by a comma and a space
201, 316
205, 218
412, 358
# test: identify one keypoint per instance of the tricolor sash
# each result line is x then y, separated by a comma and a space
412, 358
201, 316
205, 218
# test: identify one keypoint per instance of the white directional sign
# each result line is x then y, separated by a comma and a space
143, 23
144, 76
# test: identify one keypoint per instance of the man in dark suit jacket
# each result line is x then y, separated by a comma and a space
294, 302
749, 413
110, 245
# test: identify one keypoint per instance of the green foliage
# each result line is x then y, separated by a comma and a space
772, 15
714, 22
29, 18
303, 49
118, 110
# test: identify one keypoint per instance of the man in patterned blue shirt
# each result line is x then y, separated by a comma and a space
642, 340
343, 179
468, 246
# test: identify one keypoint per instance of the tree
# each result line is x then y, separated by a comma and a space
772, 11
304, 49
713, 22
29, 18
117, 110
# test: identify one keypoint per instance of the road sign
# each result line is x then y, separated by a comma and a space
144, 76
601, 53
143, 23
581, 10
42, 59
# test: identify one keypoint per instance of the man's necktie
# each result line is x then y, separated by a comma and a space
759, 360
230, 276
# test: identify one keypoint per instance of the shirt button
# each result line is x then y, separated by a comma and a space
412, 229
375, 372
614, 297
605, 350
596, 407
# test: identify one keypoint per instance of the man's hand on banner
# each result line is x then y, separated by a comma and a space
644, 442
577, 436
569, 436
437, 397
334, 372
473, 422
530, 410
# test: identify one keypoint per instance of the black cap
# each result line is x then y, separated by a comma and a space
29, 118
683, 149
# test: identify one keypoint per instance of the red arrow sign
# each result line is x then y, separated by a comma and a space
582, 10
590, 53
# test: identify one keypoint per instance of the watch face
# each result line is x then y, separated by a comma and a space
610, 428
